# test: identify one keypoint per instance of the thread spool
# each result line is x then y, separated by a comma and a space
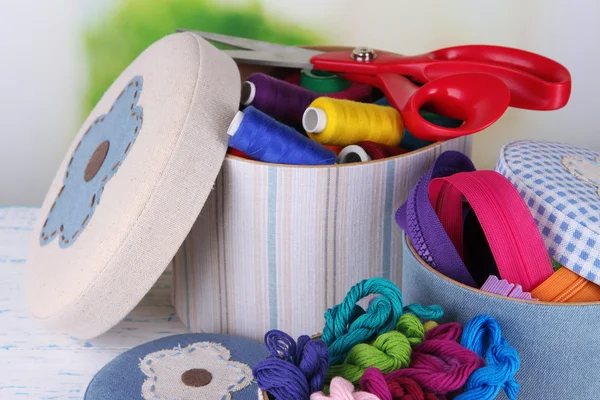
334, 148
322, 81
237, 153
352, 154
410, 142
343, 122
365, 151
287, 102
262, 138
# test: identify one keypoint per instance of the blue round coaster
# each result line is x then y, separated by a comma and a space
186, 367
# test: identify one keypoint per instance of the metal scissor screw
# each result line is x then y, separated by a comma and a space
363, 54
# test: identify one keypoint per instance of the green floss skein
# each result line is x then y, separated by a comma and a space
412, 328
389, 352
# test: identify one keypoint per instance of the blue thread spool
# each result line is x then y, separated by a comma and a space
265, 139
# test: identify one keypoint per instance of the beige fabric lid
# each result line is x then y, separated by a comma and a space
132, 184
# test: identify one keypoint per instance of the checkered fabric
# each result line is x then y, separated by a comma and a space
565, 207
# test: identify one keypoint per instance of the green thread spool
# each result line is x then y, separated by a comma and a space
322, 81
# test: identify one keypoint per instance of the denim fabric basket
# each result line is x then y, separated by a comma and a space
558, 343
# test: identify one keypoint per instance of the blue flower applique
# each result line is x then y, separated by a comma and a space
95, 160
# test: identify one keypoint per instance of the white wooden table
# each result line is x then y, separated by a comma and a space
38, 364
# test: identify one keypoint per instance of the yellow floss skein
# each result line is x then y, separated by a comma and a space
345, 122
429, 325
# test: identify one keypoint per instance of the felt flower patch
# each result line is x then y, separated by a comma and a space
199, 371
96, 159
584, 169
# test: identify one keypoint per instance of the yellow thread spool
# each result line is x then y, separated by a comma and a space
345, 122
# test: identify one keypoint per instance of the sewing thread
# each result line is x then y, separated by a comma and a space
262, 138
347, 324
322, 81
483, 335
287, 102
377, 151
440, 365
388, 352
431, 312
373, 381
343, 122
293, 370
341, 389
429, 325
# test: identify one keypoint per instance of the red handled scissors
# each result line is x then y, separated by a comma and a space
474, 83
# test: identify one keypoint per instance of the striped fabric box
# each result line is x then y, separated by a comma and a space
275, 246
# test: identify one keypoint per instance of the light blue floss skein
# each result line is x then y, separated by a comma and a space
483, 336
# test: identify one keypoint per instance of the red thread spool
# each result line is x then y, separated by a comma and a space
378, 151
237, 153
334, 148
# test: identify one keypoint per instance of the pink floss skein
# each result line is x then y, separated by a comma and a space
341, 389
373, 381
440, 365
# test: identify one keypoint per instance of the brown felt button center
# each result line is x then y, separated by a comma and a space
96, 161
196, 377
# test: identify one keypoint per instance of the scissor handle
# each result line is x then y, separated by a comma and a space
474, 98
535, 82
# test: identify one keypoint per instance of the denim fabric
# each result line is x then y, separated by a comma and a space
122, 378
559, 344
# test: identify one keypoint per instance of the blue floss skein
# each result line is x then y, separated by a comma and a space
428, 313
346, 327
293, 371
483, 336
265, 139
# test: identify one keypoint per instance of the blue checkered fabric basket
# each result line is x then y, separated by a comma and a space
561, 185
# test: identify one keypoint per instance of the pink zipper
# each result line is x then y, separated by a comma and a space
511, 231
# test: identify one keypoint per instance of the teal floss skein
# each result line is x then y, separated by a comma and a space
265, 139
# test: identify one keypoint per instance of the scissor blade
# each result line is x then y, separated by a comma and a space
241, 43
275, 59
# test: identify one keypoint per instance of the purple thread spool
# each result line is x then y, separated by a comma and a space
287, 102
265, 139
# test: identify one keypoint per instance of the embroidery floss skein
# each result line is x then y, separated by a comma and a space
293, 371
389, 352
483, 335
287, 102
440, 365
343, 122
265, 139
341, 389
373, 381
347, 324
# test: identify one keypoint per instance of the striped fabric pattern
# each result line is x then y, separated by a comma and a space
275, 246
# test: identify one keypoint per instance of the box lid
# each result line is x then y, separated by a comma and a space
131, 185
561, 185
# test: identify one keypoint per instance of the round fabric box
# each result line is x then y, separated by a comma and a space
561, 185
557, 342
274, 245
188, 366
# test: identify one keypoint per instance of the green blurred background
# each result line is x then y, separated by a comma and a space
117, 38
